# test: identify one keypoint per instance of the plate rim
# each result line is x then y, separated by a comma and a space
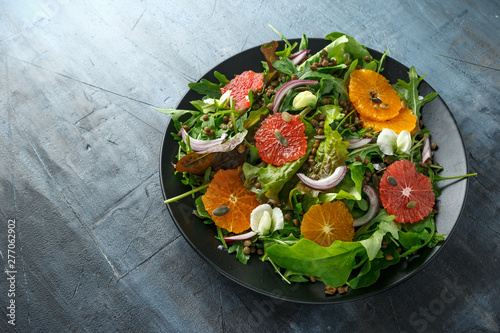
433, 252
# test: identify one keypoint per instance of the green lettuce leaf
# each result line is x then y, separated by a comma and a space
332, 264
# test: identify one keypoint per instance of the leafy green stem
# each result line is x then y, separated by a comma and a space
382, 61
277, 269
188, 193
221, 237
438, 178
357, 151
344, 119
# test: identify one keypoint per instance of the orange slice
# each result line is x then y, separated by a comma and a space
404, 121
372, 95
226, 189
326, 223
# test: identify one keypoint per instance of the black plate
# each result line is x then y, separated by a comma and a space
260, 276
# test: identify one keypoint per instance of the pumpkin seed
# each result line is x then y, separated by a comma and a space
220, 211
411, 204
404, 105
375, 100
281, 139
375, 106
392, 181
384, 106
286, 117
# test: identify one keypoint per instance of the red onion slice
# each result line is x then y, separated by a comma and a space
374, 207
197, 145
282, 91
298, 57
325, 183
228, 145
244, 236
358, 143
426, 150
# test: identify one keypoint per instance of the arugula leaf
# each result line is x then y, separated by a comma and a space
206, 88
304, 43
414, 236
409, 91
201, 212
386, 225
334, 48
176, 113
222, 78
370, 272
285, 66
238, 248
352, 47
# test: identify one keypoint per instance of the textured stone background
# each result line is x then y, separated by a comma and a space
96, 248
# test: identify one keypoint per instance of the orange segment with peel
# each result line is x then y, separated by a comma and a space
372, 95
226, 189
404, 121
328, 222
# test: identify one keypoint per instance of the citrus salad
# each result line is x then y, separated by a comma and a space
317, 164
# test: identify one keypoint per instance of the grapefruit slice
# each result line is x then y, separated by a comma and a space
280, 141
408, 195
326, 223
372, 95
241, 85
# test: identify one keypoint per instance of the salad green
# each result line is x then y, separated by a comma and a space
376, 245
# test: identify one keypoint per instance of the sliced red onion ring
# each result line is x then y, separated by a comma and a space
244, 236
426, 150
228, 145
325, 183
374, 207
280, 94
298, 57
358, 143
198, 145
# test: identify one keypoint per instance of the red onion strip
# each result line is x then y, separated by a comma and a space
244, 236
228, 145
298, 57
426, 150
372, 211
325, 183
358, 143
198, 145
282, 91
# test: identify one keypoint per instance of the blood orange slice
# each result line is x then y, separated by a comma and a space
280, 141
241, 85
372, 95
408, 195
227, 190
326, 223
